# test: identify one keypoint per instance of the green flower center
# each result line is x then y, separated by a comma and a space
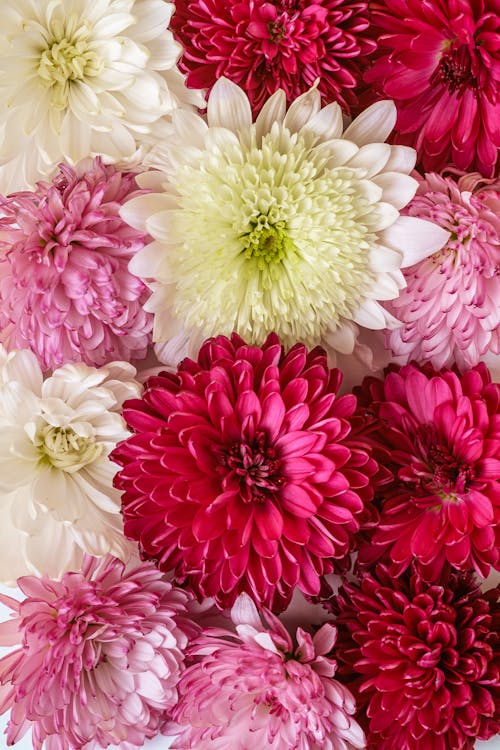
69, 57
63, 449
267, 243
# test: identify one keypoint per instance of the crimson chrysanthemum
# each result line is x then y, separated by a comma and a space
254, 686
264, 46
240, 475
439, 60
450, 308
440, 434
100, 654
65, 289
422, 660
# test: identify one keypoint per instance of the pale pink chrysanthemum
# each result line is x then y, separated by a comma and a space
256, 688
450, 308
65, 288
101, 653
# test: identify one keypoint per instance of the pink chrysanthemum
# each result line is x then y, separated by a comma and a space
65, 289
440, 434
101, 653
256, 688
240, 475
264, 46
422, 660
439, 60
450, 308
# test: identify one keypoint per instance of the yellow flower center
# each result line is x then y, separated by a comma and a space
69, 57
63, 449
267, 242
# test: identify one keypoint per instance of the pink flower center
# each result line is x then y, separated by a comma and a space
449, 474
457, 68
255, 466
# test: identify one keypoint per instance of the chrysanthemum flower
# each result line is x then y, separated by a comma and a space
100, 655
281, 225
263, 46
81, 77
422, 660
439, 62
450, 308
440, 433
56, 494
257, 688
65, 289
240, 475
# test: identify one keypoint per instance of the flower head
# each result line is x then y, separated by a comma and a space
423, 660
79, 78
240, 475
440, 434
65, 288
100, 655
450, 308
256, 687
263, 46
439, 62
56, 493
293, 227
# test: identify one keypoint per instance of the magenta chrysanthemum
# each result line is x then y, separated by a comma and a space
264, 46
450, 308
65, 289
256, 688
101, 653
240, 475
423, 660
439, 61
440, 433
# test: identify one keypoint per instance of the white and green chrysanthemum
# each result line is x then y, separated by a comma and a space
286, 224
80, 77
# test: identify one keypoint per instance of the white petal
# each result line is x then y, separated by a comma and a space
137, 211
327, 123
228, 106
370, 315
343, 338
302, 110
385, 258
338, 150
244, 612
273, 111
402, 159
416, 238
372, 158
397, 188
374, 124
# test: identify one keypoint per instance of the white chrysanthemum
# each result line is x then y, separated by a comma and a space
80, 77
56, 495
284, 225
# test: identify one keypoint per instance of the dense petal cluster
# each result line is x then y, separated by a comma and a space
264, 46
80, 78
65, 288
240, 475
293, 227
440, 62
440, 433
56, 494
100, 655
422, 660
450, 307
248, 688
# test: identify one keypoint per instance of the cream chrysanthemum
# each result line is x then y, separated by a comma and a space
80, 77
280, 225
56, 494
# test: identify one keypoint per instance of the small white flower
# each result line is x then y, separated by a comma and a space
80, 77
56, 482
286, 224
